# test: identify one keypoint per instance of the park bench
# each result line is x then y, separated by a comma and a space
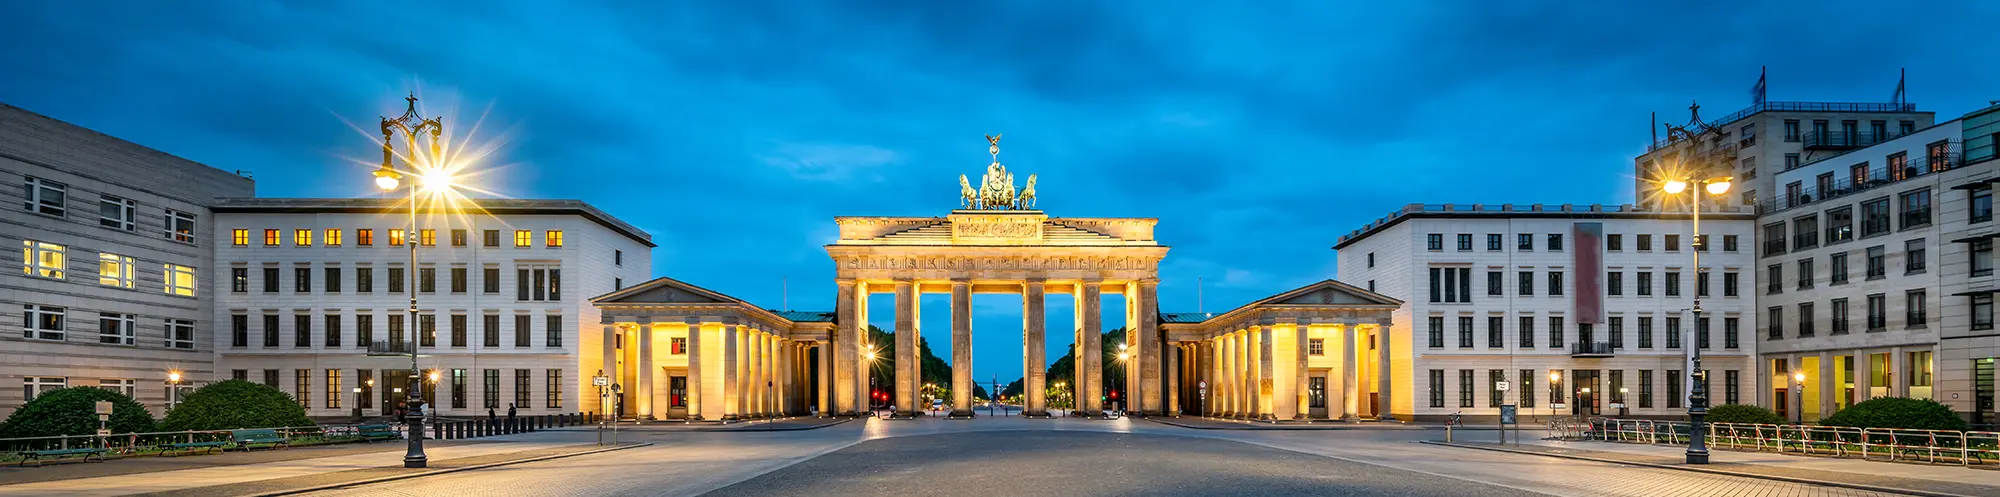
191, 447
37, 455
246, 438
370, 433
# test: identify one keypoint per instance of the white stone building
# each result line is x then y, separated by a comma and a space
115, 240
1968, 345
306, 288
1849, 246
1506, 293
1758, 141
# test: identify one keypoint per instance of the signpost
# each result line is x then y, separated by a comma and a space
603, 402
103, 415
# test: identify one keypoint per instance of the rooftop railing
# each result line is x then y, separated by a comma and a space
1870, 179
1799, 107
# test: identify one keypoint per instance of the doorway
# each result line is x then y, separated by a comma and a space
1585, 391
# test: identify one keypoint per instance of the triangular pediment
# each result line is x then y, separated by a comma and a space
1330, 292
665, 291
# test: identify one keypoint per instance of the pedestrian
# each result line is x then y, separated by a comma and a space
489, 414
510, 412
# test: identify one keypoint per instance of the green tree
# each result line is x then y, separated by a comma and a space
73, 411
233, 404
1744, 414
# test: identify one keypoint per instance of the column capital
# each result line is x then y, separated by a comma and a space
1154, 282
844, 281
1267, 321
961, 281
691, 320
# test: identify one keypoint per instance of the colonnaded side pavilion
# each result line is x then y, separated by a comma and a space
679, 351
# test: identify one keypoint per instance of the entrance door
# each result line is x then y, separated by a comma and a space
677, 396
1374, 403
1316, 396
1585, 391
393, 385
1780, 402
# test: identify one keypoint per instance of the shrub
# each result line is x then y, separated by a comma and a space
1897, 412
73, 411
1743, 413
233, 404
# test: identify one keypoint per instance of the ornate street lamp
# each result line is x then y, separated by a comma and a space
1695, 179
173, 389
412, 125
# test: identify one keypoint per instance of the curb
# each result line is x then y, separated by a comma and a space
372, 481
1788, 479
1334, 425
792, 428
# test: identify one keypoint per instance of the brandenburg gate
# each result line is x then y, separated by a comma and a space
1277, 358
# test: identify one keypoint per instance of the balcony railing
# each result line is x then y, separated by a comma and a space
1874, 177
1842, 139
387, 347
1590, 349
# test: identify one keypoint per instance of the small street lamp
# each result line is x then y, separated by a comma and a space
1555, 387
357, 403
1799, 392
1623, 399
173, 389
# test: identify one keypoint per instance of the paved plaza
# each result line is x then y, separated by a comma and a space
1071, 456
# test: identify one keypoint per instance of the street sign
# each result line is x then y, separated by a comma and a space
600, 381
103, 432
1617, 405
1500, 387
104, 407
1507, 414
1558, 405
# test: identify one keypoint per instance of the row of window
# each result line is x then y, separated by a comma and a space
455, 381
35, 386
365, 237
119, 213
1582, 384
334, 330
1586, 333
1848, 128
1454, 284
47, 322
1916, 314
1979, 256
532, 282
1525, 242
49, 260
1875, 220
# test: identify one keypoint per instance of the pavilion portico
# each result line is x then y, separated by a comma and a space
1310, 353
678, 351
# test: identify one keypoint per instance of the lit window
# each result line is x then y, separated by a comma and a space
396, 237
42, 259
333, 237
302, 237
180, 280
271, 238
180, 334
523, 238
429, 237
42, 322
115, 329
239, 237
116, 213
180, 226
554, 239
364, 237
114, 270
45, 196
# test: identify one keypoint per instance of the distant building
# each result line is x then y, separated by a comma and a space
1597, 295
1763, 139
115, 242
313, 296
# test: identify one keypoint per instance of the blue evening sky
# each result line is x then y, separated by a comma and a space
1257, 132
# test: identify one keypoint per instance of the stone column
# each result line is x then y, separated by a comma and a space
609, 366
1301, 398
1149, 395
1134, 355
1173, 363
1231, 365
907, 366
1385, 371
863, 389
1863, 375
1267, 372
840, 363
961, 348
1350, 390
1092, 305
694, 384
823, 362
1828, 388
732, 407
1034, 328
645, 372
1246, 378
774, 383
753, 372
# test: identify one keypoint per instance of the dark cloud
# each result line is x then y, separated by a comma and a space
1257, 132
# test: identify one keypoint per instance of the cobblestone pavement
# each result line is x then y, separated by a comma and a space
682, 463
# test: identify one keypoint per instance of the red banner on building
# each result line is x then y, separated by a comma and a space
1588, 256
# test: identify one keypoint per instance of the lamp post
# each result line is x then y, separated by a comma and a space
1622, 400
1590, 408
173, 389
1799, 392
1697, 452
411, 125
1555, 388
357, 404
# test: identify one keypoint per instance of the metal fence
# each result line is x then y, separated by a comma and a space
159, 443
1965, 448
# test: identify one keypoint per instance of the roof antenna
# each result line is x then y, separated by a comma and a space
1197, 296
785, 288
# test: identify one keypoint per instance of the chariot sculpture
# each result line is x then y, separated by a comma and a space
996, 188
